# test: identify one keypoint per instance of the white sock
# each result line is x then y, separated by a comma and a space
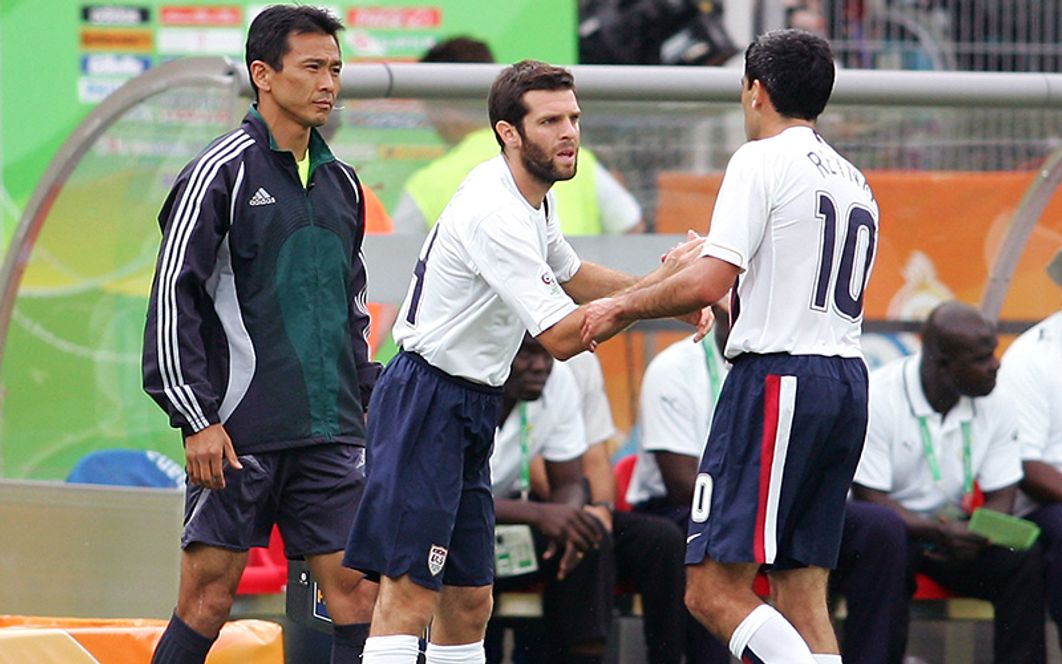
826, 659
396, 649
466, 653
770, 638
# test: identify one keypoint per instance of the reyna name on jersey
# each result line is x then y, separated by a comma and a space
834, 166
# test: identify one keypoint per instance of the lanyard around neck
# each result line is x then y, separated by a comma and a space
525, 452
713, 370
931, 456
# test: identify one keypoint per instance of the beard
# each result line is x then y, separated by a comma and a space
541, 166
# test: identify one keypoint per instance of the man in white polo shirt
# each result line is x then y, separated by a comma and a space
1032, 372
937, 428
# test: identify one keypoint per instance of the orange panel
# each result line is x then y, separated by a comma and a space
133, 641
956, 220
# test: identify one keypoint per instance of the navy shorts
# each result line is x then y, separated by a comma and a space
428, 510
785, 440
311, 493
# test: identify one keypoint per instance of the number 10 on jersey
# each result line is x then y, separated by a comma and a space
845, 284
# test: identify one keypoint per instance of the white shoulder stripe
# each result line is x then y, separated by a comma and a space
361, 299
172, 259
353, 184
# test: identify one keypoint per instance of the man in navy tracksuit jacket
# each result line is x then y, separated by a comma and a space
256, 340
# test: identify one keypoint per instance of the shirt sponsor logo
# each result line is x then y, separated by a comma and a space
262, 197
436, 559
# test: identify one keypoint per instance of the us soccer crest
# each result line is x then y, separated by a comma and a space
436, 559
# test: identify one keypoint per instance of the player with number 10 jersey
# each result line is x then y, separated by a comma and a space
802, 224
792, 236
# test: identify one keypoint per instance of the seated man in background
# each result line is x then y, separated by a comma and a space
591, 203
1032, 374
700, 646
581, 549
679, 391
937, 428
679, 388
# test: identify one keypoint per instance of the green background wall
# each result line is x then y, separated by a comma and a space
70, 379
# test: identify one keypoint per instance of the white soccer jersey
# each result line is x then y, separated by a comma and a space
676, 407
1032, 373
553, 429
802, 224
490, 269
894, 459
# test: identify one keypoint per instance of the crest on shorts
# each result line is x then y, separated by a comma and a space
436, 559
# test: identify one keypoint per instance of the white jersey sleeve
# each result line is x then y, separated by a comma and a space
740, 215
505, 253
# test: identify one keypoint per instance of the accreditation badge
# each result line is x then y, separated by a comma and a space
514, 550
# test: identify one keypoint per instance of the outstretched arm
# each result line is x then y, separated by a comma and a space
695, 286
592, 281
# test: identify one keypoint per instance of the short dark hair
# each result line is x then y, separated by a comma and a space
267, 38
459, 49
506, 99
796, 68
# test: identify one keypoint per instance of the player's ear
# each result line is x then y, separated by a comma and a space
758, 93
508, 133
261, 73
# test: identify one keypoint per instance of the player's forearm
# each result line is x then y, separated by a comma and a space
1042, 481
695, 286
673, 296
592, 281
562, 339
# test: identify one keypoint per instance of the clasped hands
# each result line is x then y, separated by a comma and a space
606, 317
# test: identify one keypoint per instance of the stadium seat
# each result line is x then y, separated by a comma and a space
267, 569
622, 471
